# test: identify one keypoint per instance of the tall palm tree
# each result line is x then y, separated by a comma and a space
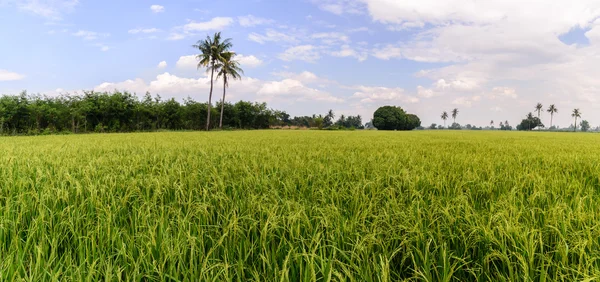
212, 50
576, 114
228, 69
444, 117
552, 110
492, 123
539, 108
454, 114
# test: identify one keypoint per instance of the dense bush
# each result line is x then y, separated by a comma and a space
394, 118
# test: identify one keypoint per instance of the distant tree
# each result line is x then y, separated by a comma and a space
454, 114
530, 122
394, 118
468, 126
433, 126
539, 107
229, 69
492, 124
440, 127
328, 120
319, 122
585, 125
455, 126
576, 114
444, 117
552, 110
212, 50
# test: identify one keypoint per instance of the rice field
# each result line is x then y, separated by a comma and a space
301, 206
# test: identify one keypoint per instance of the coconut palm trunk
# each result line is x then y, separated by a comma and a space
223, 102
212, 74
551, 118
575, 127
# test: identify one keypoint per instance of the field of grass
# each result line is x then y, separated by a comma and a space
301, 206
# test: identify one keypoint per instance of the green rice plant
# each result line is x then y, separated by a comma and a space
300, 206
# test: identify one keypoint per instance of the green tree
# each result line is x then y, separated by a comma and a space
228, 68
454, 114
576, 114
530, 122
585, 125
539, 107
394, 118
552, 110
444, 117
212, 51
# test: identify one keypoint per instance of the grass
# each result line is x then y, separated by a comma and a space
301, 206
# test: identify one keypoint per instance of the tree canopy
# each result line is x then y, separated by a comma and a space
394, 118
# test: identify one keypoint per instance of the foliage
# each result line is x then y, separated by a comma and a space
124, 112
394, 118
530, 122
300, 206
455, 126
585, 125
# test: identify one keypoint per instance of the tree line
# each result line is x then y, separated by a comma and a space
117, 111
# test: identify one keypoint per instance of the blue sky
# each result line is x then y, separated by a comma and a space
493, 60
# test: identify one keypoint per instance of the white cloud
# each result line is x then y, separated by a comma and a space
331, 38
248, 61
157, 8
272, 36
340, 7
187, 62
176, 36
250, 21
50, 9
171, 86
308, 53
294, 89
10, 76
218, 23
162, 65
144, 30
90, 35
305, 77
503, 92
347, 51
368, 94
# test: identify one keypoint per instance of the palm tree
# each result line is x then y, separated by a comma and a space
454, 114
539, 108
228, 69
552, 110
576, 114
212, 50
492, 123
444, 117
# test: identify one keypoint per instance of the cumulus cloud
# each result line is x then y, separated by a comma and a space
189, 62
172, 86
144, 30
346, 51
10, 76
50, 9
90, 35
250, 21
218, 23
162, 65
308, 53
157, 8
369, 94
340, 7
294, 89
272, 35
248, 61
